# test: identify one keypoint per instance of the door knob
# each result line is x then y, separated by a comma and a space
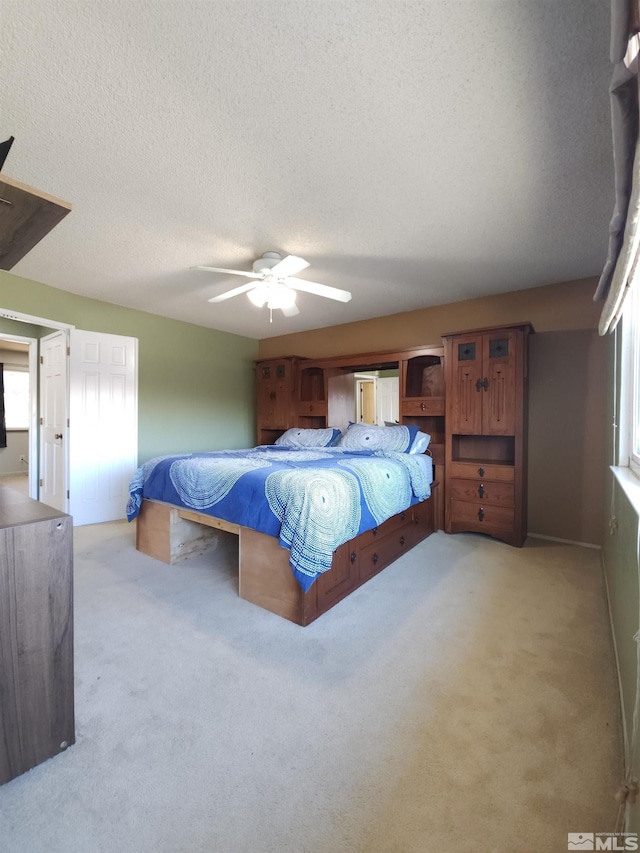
58, 435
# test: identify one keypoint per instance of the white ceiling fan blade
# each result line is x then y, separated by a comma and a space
291, 311
319, 289
229, 272
235, 292
289, 266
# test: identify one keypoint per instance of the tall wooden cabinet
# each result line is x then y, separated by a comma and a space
36, 633
276, 403
485, 448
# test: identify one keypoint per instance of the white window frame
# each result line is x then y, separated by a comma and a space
24, 369
629, 432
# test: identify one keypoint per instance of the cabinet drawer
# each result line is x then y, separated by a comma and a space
423, 406
480, 514
392, 524
471, 471
316, 407
483, 492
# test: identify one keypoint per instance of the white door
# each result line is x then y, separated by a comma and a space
387, 400
104, 424
53, 420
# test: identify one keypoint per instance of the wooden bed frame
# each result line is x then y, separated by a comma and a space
171, 533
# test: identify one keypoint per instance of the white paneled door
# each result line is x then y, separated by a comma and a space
53, 420
103, 424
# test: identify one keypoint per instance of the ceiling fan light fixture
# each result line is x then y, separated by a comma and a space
274, 294
281, 296
259, 295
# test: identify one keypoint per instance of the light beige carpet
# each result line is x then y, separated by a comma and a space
463, 700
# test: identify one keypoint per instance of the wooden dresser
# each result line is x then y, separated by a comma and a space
36, 633
486, 435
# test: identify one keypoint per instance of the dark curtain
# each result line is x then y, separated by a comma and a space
624, 233
3, 422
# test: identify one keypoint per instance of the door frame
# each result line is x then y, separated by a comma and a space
34, 390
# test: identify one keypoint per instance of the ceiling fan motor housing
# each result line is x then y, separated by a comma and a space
266, 262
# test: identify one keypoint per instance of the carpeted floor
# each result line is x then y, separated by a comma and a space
463, 700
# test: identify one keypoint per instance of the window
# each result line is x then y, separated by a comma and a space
16, 397
634, 425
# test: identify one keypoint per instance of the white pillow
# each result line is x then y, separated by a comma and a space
420, 442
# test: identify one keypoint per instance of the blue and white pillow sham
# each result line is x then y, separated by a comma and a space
308, 437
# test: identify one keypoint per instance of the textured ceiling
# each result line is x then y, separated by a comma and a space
415, 153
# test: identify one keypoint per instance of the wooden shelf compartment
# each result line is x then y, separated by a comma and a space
26, 216
476, 449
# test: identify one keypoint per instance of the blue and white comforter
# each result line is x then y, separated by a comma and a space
312, 501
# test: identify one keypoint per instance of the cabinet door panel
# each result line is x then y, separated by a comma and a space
499, 396
466, 411
340, 579
275, 388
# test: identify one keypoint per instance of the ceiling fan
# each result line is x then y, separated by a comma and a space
273, 284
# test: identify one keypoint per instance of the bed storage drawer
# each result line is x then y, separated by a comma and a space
387, 527
378, 555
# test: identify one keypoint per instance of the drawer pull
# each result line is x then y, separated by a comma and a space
480, 514
310, 408
353, 557
481, 472
375, 559
423, 407
480, 491
402, 515
402, 541
375, 531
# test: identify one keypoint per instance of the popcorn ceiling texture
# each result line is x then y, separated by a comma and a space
416, 153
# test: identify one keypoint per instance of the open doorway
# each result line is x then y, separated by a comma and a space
89, 380
18, 458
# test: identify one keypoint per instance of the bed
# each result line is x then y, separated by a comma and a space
314, 521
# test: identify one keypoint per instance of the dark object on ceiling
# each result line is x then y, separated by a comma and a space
4, 150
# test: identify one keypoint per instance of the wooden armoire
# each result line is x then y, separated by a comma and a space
486, 437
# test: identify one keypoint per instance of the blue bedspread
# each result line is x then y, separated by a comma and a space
312, 501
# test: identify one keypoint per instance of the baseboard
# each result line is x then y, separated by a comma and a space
565, 541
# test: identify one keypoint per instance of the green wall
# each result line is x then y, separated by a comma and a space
622, 568
196, 387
